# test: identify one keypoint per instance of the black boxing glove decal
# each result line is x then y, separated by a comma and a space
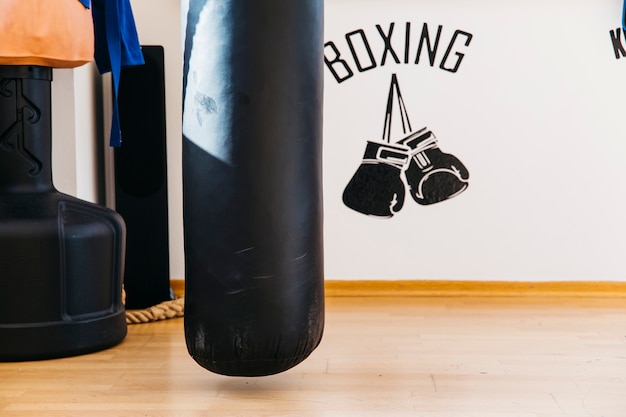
432, 175
376, 188
414, 163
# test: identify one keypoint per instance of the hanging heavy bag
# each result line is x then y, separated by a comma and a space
48, 33
252, 203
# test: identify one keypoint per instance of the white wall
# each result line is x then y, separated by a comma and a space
535, 113
64, 156
75, 130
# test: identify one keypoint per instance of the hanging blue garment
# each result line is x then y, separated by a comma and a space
116, 46
624, 16
85, 3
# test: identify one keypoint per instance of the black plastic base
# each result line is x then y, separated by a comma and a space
54, 340
61, 258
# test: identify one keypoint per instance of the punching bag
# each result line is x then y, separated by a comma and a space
252, 136
61, 258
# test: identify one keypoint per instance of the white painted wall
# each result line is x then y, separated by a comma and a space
75, 130
64, 156
535, 113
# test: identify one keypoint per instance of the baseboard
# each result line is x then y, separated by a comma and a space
427, 288
178, 286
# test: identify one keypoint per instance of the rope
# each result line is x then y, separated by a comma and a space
163, 311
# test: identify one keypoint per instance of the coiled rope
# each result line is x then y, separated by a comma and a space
166, 310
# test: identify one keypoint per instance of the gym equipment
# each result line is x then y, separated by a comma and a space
57, 34
61, 259
252, 184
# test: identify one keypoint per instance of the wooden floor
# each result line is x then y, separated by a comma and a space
430, 357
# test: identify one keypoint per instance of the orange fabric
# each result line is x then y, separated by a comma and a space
53, 33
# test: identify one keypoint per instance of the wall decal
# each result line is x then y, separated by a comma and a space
440, 50
414, 164
619, 49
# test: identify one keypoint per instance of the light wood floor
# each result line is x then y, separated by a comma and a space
430, 357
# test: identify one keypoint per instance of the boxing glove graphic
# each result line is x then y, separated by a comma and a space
376, 188
432, 176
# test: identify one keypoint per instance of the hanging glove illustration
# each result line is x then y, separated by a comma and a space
377, 188
415, 163
432, 175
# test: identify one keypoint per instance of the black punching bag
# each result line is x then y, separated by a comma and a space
252, 136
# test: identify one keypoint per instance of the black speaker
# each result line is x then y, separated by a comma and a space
141, 180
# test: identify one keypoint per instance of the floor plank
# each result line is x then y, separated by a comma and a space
415, 356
